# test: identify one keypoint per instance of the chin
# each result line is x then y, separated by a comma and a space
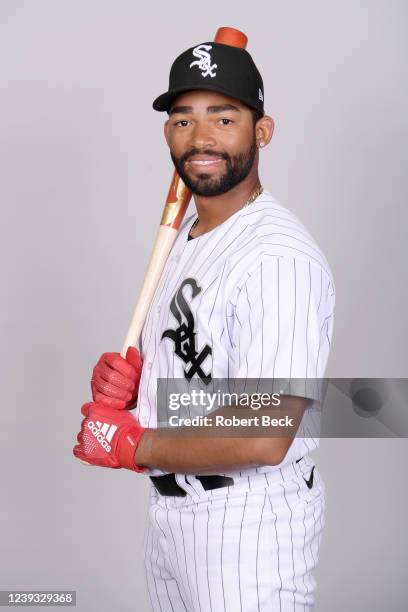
206, 177
206, 180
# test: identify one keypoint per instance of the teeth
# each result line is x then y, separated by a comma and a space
204, 162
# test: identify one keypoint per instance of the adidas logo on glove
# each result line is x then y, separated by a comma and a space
103, 433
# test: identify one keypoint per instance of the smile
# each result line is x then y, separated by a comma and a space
204, 162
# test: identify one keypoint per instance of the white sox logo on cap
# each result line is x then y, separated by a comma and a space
204, 63
231, 70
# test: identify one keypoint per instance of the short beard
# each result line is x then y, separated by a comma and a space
238, 168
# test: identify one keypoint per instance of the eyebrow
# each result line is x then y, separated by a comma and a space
221, 108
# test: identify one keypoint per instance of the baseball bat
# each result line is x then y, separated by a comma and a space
175, 207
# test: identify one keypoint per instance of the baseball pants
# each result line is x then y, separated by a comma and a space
249, 547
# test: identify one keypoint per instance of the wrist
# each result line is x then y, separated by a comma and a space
143, 452
128, 446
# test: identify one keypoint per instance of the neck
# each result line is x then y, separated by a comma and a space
215, 210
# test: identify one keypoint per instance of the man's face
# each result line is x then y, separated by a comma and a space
212, 141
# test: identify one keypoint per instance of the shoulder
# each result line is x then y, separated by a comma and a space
277, 233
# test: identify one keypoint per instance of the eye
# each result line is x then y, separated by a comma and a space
226, 121
181, 121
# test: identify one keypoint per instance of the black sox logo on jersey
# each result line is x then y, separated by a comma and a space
184, 337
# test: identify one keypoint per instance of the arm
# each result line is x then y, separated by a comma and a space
277, 323
114, 438
210, 455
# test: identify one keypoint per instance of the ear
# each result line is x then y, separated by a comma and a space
166, 131
264, 130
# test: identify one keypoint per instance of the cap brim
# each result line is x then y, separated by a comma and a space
163, 102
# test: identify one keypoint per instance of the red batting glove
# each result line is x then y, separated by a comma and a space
115, 381
108, 437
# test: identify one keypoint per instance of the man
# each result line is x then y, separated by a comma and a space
235, 523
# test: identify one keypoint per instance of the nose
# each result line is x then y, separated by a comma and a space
201, 137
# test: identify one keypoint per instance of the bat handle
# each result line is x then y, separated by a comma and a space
164, 241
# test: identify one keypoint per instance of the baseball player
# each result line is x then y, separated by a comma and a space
234, 524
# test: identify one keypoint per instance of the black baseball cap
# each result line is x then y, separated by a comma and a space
215, 67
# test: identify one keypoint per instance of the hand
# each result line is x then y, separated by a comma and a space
108, 437
115, 381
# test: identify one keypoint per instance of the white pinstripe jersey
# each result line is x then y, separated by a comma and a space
261, 297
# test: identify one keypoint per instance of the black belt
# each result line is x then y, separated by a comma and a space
167, 485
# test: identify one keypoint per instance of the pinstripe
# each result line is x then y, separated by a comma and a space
222, 545
252, 551
212, 357
278, 320
304, 554
304, 537
239, 551
148, 384
175, 552
175, 279
220, 241
237, 318
307, 243
244, 256
174, 581
250, 212
307, 255
290, 227
185, 558
250, 328
238, 248
278, 554
262, 327
231, 242
307, 319
218, 288
163, 579
205, 290
321, 289
150, 319
314, 536
195, 558
291, 542
260, 309
257, 551
174, 542
206, 552
294, 317
160, 571
151, 566
320, 344
229, 334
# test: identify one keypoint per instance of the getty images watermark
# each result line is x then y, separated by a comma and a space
200, 399
307, 408
235, 407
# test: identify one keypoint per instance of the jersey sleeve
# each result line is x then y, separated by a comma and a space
281, 320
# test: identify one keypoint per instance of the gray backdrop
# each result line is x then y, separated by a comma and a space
84, 172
